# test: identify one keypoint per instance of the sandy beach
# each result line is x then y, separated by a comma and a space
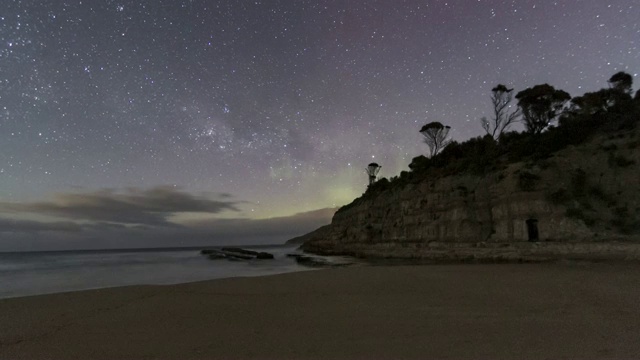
537, 311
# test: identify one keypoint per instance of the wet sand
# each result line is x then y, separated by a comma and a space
537, 311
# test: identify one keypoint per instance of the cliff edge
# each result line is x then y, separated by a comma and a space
581, 201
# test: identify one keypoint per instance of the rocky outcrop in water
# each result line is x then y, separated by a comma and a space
234, 253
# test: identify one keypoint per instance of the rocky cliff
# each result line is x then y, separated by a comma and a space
573, 201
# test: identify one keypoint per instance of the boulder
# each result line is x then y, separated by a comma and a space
264, 255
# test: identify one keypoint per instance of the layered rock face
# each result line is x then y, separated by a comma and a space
585, 194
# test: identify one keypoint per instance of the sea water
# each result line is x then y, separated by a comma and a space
33, 273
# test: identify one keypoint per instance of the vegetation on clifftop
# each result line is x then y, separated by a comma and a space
553, 120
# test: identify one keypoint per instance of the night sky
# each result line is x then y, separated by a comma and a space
167, 122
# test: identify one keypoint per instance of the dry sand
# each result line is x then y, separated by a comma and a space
450, 311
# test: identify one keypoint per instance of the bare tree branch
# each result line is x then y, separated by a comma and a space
502, 116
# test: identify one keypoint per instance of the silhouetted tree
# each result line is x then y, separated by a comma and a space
623, 104
592, 102
435, 136
540, 105
502, 118
419, 162
613, 101
622, 82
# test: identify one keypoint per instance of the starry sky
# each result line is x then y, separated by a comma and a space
191, 121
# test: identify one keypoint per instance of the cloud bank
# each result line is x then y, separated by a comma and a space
131, 206
136, 217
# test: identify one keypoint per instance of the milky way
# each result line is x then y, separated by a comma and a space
280, 104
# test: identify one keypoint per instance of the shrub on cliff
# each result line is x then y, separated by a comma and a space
419, 163
379, 186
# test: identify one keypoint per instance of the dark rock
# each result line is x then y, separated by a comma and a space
216, 256
237, 256
240, 251
221, 254
234, 253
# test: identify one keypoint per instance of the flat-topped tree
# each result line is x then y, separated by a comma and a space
540, 105
372, 170
622, 82
435, 136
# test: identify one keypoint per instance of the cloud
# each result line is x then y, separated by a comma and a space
132, 206
34, 235
29, 226
142, 218
284, 227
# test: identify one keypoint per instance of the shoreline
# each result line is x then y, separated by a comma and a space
160, 285
585, 310
486, 252
53, 272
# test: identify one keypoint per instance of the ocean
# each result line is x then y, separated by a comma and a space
34, 273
